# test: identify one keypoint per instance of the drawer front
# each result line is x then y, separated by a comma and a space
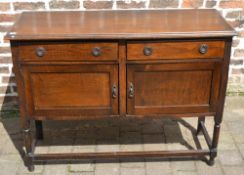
68, 51
175, 50
172, 88
71, 90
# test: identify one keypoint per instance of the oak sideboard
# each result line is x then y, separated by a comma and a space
129, 63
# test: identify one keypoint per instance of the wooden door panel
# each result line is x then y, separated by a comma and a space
173, 88
61, 90
166, 86
71, 90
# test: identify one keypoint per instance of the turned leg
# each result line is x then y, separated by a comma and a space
220, 108
28, 146
39, 130
24, 117
200, 119
213, 150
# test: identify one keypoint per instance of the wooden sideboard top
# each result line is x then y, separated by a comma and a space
123, 24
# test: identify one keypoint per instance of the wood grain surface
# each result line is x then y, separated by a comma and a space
124, 24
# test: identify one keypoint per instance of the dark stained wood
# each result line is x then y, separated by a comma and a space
171, 88
66, 51
71, 81
219, 113
122, 78
99, 116
201, 119
175, 50
71, 90
224, 79
24, 117
106, 155
205, 134
126, 24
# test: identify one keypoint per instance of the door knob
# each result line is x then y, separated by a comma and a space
147, 51
203, 48
96, 51
40, 51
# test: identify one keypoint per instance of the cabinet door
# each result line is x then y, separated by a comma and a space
55, 91
172, 88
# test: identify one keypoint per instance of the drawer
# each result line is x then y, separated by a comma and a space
175, 50
56, 51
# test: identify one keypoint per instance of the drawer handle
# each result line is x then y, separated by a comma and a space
96, 51
40, 51
131, 90
114, 91
147, 51
203, 48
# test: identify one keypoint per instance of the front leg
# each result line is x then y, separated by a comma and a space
222, 92
28, 145
213, 149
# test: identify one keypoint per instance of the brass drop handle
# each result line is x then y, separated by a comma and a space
131, 91
40, 51
147, 51
96, 51
114, 91
203, 48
